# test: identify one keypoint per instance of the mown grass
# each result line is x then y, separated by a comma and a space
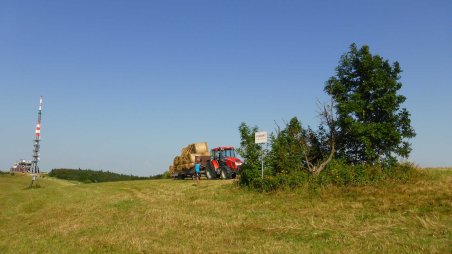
167, 216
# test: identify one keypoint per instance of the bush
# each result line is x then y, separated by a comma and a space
300, 157
337, 173
92, 176
166, 175
269, 183
249, 174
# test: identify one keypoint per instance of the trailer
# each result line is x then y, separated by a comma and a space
190, 172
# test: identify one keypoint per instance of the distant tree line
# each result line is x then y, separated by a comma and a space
363, 130
96, 176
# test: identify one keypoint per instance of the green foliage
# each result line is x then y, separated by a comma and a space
293, 147
337, 173
367, 130
92, 176
372, 125
166, 175
286, 165
251, 153
340, 173
288, 181
287, 152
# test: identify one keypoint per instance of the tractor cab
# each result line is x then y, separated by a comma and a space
221, 153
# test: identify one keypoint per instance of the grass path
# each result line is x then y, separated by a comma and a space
166, 216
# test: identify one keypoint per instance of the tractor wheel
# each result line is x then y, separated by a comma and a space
233, 175
225, 173
210, 174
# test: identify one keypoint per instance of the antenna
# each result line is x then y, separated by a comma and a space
34, 162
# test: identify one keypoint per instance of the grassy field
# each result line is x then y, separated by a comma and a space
167, 216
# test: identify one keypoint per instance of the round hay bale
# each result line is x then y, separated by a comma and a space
185, 151
179, 168
189, 165
180, 160
183, 159
193, 156
200, 148
176, 160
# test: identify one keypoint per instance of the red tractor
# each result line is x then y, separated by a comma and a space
223, 163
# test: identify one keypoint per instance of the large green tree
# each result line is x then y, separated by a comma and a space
372, 126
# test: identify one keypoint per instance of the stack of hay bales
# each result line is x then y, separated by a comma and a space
186, 160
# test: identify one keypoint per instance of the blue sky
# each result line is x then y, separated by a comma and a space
127, 84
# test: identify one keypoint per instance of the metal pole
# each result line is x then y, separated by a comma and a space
262, 161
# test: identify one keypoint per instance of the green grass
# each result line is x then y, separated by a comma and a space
167, 216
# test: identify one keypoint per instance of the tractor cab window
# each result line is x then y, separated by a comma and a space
222, 154
227, 153
216, 155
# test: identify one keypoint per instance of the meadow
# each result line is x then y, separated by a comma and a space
176, 216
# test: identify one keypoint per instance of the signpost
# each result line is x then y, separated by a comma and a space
261, 138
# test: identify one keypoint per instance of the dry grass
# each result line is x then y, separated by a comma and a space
166, 216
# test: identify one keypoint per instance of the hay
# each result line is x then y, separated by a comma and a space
186, 151
176, 160
186, 166
200, 147
189, 165
192, 156
188, 155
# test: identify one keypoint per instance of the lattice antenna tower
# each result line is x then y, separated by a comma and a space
36, 146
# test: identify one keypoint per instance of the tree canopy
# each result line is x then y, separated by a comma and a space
372, 126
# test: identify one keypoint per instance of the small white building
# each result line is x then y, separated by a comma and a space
23, 166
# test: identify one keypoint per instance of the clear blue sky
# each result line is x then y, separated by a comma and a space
127, 84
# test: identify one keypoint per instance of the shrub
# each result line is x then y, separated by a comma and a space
249, 174
91, 176
338, 173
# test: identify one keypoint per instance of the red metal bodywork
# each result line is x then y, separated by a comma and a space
231, 162
215, 164
223, 148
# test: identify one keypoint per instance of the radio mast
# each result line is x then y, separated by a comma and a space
34, 162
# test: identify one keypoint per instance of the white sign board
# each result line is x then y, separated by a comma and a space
260, 137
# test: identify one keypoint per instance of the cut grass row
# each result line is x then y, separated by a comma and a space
167, 216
